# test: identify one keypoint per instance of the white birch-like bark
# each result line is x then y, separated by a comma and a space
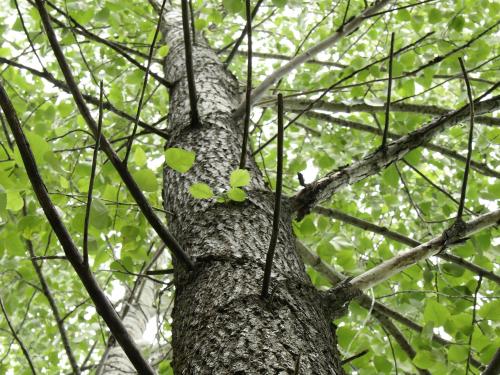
140, 312
404, 260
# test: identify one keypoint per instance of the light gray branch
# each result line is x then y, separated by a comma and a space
404, 260
326, 186
346, 29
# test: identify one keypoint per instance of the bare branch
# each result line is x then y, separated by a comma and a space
477, 166
277, 203
387, 233
195, 118
469, 143
100, 300
389, 89
336, 277
385, 270
17, 338
346, 29
380, 159
246, 30
399, 337
91, 182
300, 104
246, 124
53, 306
122, 170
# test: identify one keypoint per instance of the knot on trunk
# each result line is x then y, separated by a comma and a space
336, 300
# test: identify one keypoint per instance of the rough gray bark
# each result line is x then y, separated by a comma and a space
220, 323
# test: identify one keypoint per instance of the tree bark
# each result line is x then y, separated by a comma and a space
221, 325
136, 319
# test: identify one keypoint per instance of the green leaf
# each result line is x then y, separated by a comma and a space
236, 194
163, 50
201, 191
14, 201
424, 359
280, 3
434, 15
146, 179
457, 23
140, 157
179, 160
233, 6
435, 312
458, 353
239, 178
99, 216
391, 177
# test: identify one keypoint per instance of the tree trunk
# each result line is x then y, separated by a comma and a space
221, 325
136, 319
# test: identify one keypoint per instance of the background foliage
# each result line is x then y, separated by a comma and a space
440, 296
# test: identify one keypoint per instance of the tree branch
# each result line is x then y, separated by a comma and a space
246, 30
248, 110
53, 306
387, 233
334, 107
277, 203
399, 337
469, 143
195, 118
477, 166
389, 89
144, 84
346, 29
336, 277
385, 270
17, 338
380, 159
122, 170
101, 302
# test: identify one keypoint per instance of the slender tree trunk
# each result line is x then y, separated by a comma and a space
136, 319
221, 325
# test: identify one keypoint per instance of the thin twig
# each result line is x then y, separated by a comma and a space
355, 356
191, 11
240, 38
246, 124
91, 182
17, 338
474, 310
389, 89
195, 119
144, 85
277, 202
28, 35
52, 303
337, 83
469, 145
395, 332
